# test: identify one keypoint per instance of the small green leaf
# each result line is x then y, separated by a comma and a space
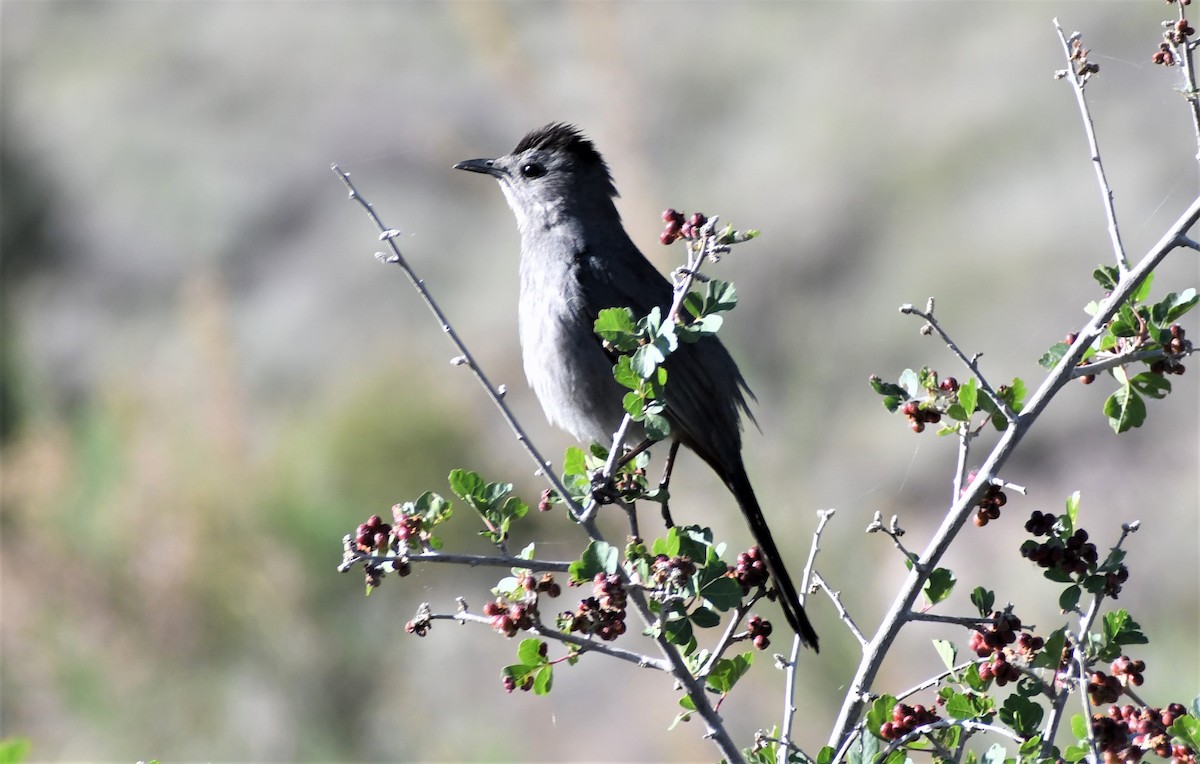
1072, 511
598, 557
529, 652
616, 326
995, 754
1052, 651
1052, 356
1107, 276
543, 680
1022, 714
656, 427
1125, 410
1173, 306
880, 712
1079, 726
1151, 385
968, 396
727, 671
939, 585
705, 618
946, 651
1143, 289
575, 461
1069, 599
983, 600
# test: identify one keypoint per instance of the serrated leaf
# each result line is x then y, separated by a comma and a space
598, 557
723, 592
1022, 714
1125, 410
617, 327
727, 671
983, 600
1052, 356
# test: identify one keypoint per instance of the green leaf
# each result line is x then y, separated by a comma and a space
1125, 410
1072, 511
598, 557
939, 585
1107, 276
825, 755
1022, 714
1121, 629
1074, 753
656, 427
575, 461
1069, 599
543, 680
1187, 729
983, 600
616, 326
1143, 289
1051, 652
1052, 356
964, 706
880, 712
995, 754
946, 651
1079, 726
973, 680
646, 359
529, 652
1173, 306
465, 483
1151, 385
968, 396
676, 626
705, 618
727, 671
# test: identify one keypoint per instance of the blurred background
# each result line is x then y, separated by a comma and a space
208, 379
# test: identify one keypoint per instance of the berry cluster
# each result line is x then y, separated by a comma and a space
989, 505
1029, 645
680, 228
905, 719
373, 535
672, 571
918, 417
751, 570
545, 584
548, 500
410, 529
758, 629
1128, 671
992, 639
510, 617
602, 614
1126, 731
1075, 556
1000, 669
1175, 347
1103, 688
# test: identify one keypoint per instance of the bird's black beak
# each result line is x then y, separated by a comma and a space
485, 166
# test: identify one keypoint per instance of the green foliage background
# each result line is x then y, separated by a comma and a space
207, 379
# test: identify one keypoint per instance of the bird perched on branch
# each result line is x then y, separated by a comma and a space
576, 260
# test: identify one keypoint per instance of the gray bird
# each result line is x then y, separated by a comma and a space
577, 260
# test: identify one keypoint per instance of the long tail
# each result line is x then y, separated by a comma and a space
739, 485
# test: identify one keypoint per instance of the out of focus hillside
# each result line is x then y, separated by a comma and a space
207, 379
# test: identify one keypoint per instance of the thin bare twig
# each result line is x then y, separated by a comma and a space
843, 614
1077, 82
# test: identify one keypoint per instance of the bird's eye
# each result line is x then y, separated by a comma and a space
532, 170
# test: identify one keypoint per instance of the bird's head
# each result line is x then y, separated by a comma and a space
554, 172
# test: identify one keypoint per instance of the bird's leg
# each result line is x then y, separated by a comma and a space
665, 480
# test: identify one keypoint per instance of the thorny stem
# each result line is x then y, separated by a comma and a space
677, 666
